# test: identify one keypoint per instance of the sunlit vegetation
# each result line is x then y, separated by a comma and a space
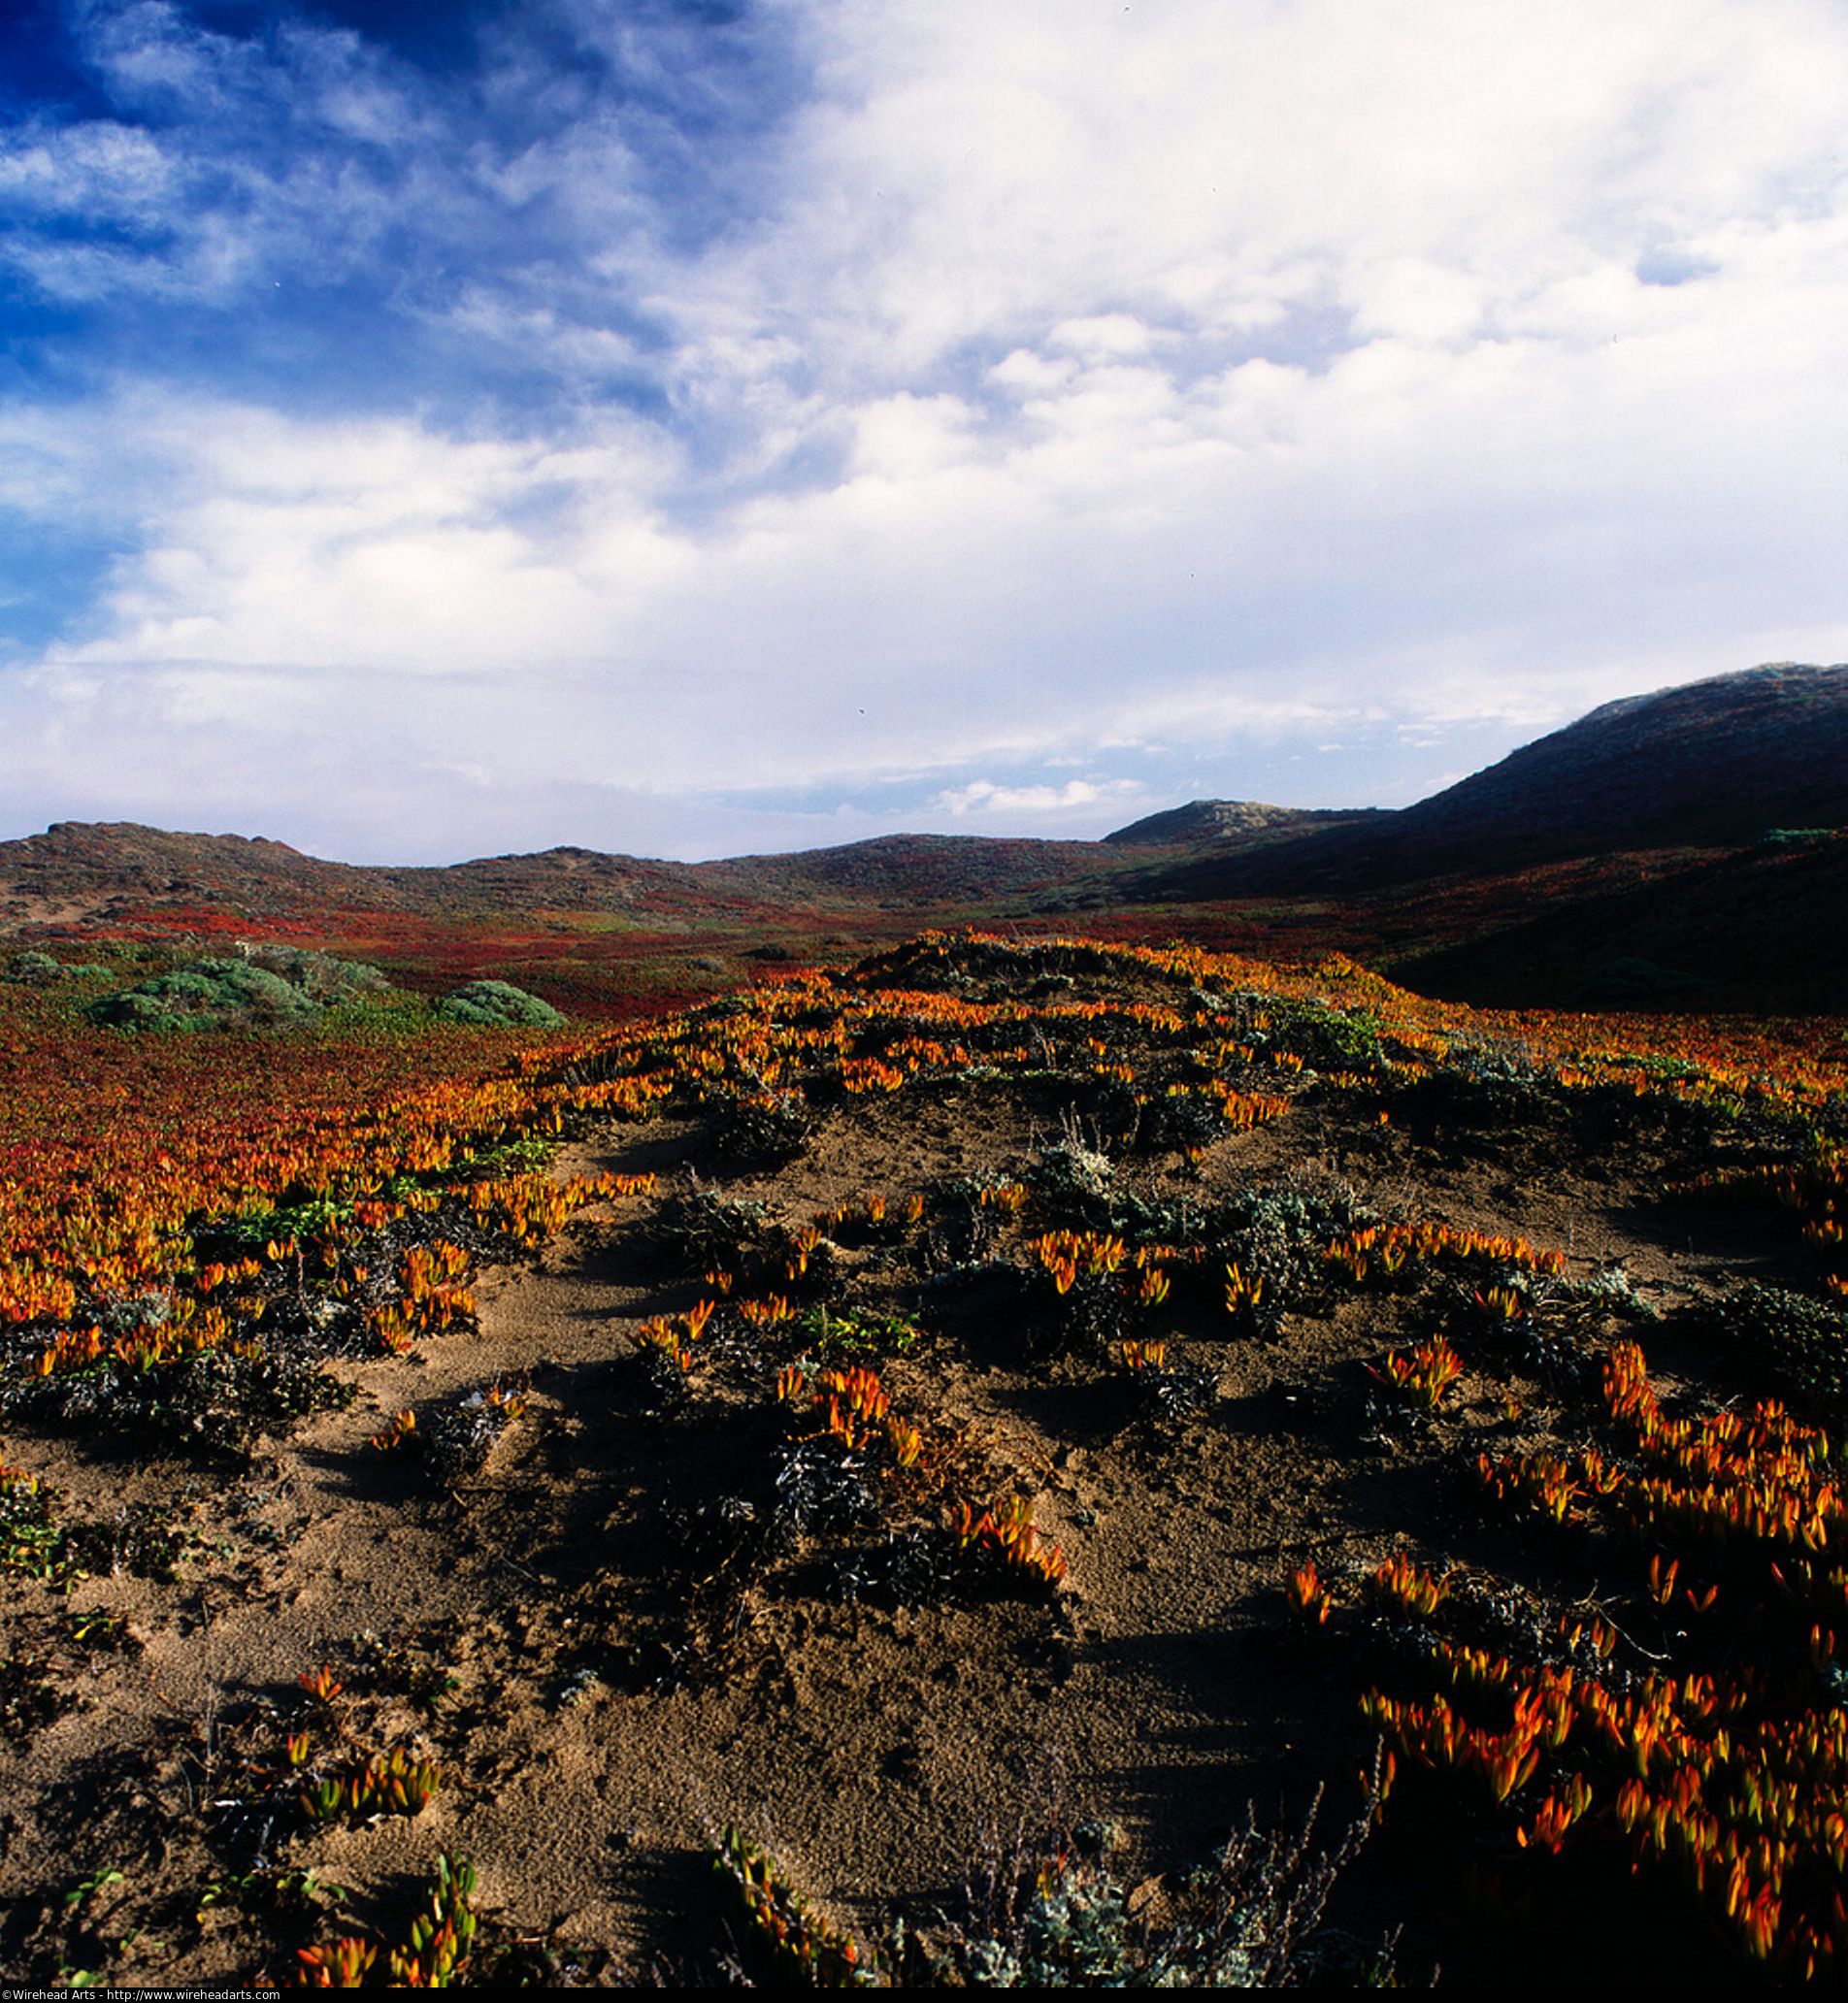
1640, 1672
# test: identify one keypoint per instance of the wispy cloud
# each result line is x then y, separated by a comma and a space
984, 797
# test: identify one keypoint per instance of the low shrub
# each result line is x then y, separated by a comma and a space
264, 987
498, 1004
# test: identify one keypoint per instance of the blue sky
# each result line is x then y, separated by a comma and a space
698, 428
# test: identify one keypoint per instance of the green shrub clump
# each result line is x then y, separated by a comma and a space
264, 987
32, 970
498, 1004
210, 995
1803, 1341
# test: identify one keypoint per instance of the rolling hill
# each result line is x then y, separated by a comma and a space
1683, 848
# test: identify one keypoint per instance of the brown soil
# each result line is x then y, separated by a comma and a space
614, 1708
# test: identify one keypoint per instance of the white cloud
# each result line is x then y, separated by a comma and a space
986, 797
1073, 379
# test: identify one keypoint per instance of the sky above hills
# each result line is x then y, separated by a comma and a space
689, 427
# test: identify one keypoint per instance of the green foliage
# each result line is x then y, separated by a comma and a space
856, 1332
1326, 1039
210, 995
497, 1004
29, 1533
320, 976
699, 1228
1805, 1341
33, 1541
767, 1126
1076, 1181
33, 970
250, 1231
463, 1437
265, 987
1252, 1919
1276, 1234
512, 1156
1609, 1288
1795, 837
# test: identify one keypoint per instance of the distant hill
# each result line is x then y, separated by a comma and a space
1712, 763
80, 869
919, 871
556, 879
1666, 848
82, 873
110, 869
1218, 821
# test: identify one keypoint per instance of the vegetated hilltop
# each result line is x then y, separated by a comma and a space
919, 872
1682, 849
683, 1499
79, 871
1224, 821
113, 872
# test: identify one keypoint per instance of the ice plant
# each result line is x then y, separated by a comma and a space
388, 1784
1400, 1585
1733, 1779
401, 1432
766, 1313
1421, 1375
800, 1246
855, 1409
1241, 1291
1007, 1536
1390, 1248
1068, 1255
338, 1964
436, 1951
803, 1949
321, 1683
1308, 1597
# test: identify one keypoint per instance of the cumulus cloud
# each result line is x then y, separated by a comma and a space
694, 419
984, 797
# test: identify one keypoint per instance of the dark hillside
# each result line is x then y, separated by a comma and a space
920, 870
1716, 763
1757, 929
